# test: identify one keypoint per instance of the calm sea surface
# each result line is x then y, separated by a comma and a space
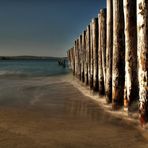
31, 68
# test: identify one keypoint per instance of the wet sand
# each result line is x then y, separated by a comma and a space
52, 113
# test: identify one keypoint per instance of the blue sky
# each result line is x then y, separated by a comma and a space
43, 27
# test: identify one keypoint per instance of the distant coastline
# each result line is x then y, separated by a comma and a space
30, 58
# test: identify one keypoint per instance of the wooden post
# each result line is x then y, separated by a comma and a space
103, 46
68, 56
71, 52
118, 55
86, 57
109, 51
73, 57
95, 52
76, 61
131, 75
102, 49
83, 57
142, 31
79, 56
87, 64
91, 58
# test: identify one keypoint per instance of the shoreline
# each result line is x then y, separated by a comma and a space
129, 117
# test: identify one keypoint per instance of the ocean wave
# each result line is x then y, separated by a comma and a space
27, 68
6, 74
13, 73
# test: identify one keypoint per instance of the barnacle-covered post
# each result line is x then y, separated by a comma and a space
142, 31
131, 75
95, 52
118, 77
109, 51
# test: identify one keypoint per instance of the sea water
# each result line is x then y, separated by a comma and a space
31, 68
23, 80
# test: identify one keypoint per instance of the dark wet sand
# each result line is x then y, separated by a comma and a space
51, 113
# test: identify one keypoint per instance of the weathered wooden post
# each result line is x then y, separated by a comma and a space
75, 56
103, 46
83, 57
86, 58
118, 77
102, 50
79, 56
68, 56
109, 51
89, 54
142, 31
87, 64
91, 58
95, 52
71, 52
131, 75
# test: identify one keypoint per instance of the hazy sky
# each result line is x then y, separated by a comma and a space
43, 27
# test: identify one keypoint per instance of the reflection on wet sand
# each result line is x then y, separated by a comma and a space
43, 113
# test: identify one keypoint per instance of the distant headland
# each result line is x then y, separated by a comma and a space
30, 58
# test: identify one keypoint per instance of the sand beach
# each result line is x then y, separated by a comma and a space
51, 112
